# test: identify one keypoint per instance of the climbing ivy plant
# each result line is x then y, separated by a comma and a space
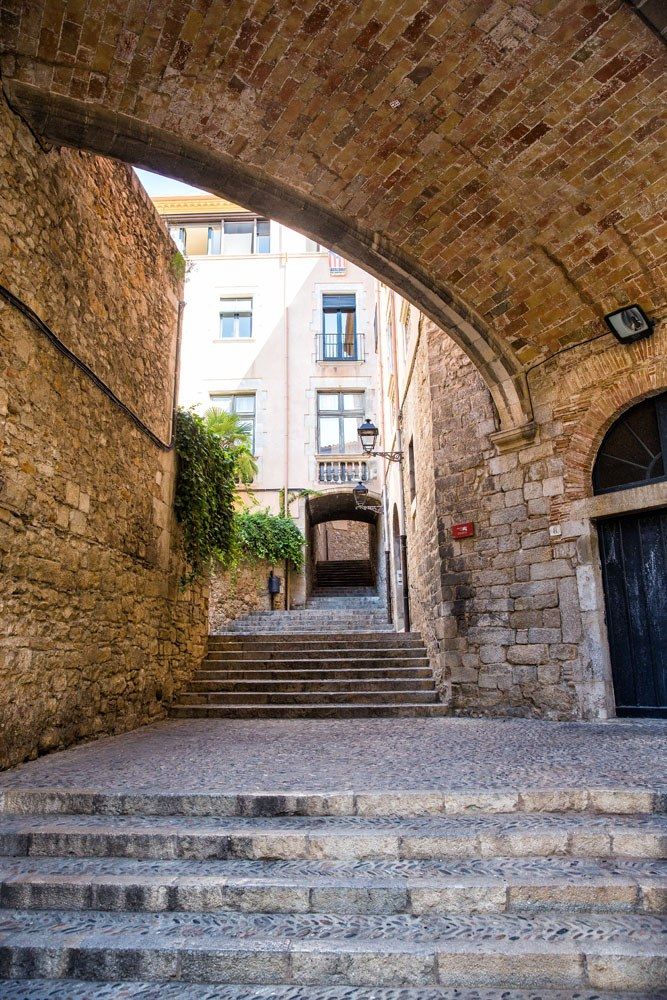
204, 498
260, 535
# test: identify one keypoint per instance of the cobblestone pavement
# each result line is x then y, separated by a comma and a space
367, 754
49, 990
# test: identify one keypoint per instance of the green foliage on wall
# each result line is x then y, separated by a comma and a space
178, 265
233, 438
204, 497
260, 535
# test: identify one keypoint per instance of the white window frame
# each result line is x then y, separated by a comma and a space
249, 417
236, 338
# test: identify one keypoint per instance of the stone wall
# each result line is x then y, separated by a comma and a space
97, 633
239, 592
514, 616
343, 540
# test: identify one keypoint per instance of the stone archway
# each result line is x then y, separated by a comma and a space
471, 165
343, 543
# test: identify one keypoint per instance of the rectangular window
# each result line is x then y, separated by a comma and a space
339, 328
238, 236
339, 415
243, 405
196, 240
411, 470
263, 242
235, 319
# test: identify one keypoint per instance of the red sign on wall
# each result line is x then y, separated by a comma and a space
465, 530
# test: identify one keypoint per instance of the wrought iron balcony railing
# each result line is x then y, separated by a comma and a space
339, 347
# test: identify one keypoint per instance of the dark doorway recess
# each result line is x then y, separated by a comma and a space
634, 566
633, 550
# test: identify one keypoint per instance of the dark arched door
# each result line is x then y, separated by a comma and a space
633, 550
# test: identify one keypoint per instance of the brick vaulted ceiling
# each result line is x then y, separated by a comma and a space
499, 162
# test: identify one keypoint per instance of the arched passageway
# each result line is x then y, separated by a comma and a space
344, 545
474, 155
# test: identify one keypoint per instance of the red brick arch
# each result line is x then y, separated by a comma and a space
630, 376
498, 164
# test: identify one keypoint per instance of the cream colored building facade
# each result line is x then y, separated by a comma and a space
280, 331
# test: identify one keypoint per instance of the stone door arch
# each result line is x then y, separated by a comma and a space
633, 553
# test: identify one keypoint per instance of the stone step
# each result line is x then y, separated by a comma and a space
297, 614
353, 591
303, 628
344, 599
367, 640
495, 885
289, 710
608, 801
269, 672
369, 657
320, 663
52, 989
536, 949
330, 684
312, 695
335, 837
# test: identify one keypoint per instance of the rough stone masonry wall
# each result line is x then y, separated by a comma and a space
343, 540
423, 524
96, 633
242, 591
520, 625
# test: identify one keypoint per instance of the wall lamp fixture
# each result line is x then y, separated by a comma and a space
368, 435
360, 494
629, 324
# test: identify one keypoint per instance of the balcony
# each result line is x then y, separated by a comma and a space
332, 347
341, 471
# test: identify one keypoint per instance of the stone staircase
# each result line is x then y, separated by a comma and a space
309, 674
364, 895
344, 573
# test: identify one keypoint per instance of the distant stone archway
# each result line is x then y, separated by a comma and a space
340, 532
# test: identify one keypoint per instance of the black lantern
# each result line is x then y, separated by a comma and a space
368, 435
360, 492
629, 324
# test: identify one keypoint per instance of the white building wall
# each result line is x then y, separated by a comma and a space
279, 364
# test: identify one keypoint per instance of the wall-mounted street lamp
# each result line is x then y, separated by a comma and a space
629, 324
368, 435
360, 494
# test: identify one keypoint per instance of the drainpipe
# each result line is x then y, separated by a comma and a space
387, 556
404, 537
283, 264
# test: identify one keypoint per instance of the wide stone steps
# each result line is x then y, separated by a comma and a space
337, 602
312, 620
324, 676
468, 894
363, 641
304, 626
533, 949
51, 989
272, 671
320, 659
343, 838
290, 710
359, 697
418, 887
314, 680
369, 657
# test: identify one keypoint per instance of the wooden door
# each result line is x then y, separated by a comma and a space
633, 549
